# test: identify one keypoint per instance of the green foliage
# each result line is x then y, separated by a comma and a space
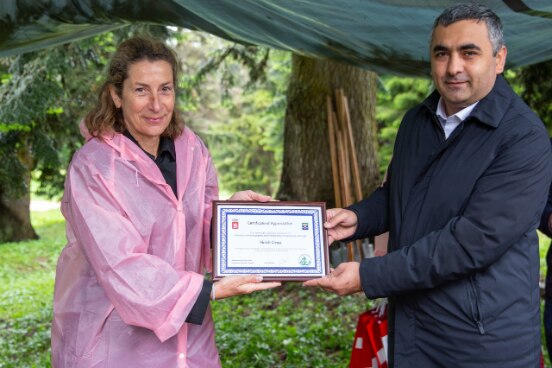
287, 327
544, 244
230, 62
43, 98
395, 97
27, 272
234, 97
533, 84
247, 148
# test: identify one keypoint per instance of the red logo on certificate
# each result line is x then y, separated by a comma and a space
235, 224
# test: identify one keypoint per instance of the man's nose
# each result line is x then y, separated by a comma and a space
455, 64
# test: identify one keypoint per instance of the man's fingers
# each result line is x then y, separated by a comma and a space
324, 282
313, 282
337, 218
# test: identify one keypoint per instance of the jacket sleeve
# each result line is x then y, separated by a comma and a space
145, 290
547, 213
197, 313
505, 203
211, 194
372, 214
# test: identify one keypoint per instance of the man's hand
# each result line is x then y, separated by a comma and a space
239, 285
249, 195
340, 223
344, 280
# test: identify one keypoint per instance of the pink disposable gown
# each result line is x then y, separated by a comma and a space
132, 268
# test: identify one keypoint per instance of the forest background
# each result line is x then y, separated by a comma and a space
234, 97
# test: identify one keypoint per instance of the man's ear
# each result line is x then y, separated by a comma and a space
500, 60
115, 97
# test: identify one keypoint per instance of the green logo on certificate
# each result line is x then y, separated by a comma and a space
304, 260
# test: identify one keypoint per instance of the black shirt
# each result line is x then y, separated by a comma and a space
166, 162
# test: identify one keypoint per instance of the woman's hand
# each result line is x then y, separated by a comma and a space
249, 195
239, 285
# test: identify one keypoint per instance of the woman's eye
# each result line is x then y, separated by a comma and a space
140, 90
166, 89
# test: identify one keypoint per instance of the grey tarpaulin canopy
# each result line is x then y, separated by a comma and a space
382, 35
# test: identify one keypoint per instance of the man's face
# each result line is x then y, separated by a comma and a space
463, 67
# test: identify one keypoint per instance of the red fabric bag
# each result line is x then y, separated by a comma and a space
370, 343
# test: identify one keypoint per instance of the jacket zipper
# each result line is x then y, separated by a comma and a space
476, 312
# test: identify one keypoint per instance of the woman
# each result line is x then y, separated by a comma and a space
130, 290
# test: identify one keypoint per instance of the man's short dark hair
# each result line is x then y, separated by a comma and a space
477, 12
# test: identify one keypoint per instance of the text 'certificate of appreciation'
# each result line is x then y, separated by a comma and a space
278, 240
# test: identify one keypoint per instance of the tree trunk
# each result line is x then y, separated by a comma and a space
15, 220
307, 172
15, 213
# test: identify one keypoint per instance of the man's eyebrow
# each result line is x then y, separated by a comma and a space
467, 46
438, 48
470, 46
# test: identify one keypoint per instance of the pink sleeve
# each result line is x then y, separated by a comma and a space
145, 290
211, 194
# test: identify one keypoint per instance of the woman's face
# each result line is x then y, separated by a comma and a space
147, 101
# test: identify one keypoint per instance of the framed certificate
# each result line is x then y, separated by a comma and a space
282, 241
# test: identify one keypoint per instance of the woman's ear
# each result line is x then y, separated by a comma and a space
115, 97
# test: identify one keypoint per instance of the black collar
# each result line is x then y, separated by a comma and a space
166, 144
491, 109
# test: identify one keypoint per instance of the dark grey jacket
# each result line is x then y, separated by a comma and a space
463, 267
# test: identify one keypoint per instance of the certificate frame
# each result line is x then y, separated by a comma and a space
266, 233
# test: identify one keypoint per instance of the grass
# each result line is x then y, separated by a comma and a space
286, 327
27, 271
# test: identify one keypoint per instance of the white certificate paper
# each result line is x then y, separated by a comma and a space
279, 240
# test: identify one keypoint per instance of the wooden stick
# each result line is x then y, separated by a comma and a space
333, 153
349, 192
340, 108
354, 160
351, 161
345, 166
345, 189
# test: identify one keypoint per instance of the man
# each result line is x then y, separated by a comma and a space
463, 198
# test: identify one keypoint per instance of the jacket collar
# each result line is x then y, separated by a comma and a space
490, 110
166, 144
131, 152
184, 146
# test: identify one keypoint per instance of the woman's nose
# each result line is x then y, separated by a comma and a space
155, 103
